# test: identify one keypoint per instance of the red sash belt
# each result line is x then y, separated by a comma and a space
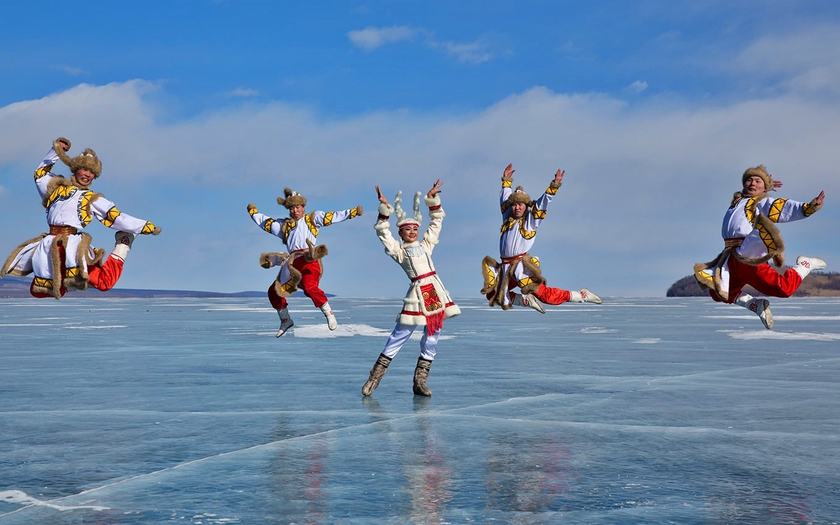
423, 276
62, 230
514, 259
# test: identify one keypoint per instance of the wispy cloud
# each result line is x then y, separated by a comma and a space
637, 87
70, 70
371, 38
243, 93
803, 61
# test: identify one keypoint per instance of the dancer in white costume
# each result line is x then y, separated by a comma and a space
427, 303
751, 239
63, 259
301, 267
519, 269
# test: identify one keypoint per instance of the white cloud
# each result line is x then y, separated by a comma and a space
637, 87
644, 191
474, 53
804, 61
244, 93
72, 71
371, 38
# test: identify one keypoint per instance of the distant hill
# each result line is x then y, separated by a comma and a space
818, 284
17, 287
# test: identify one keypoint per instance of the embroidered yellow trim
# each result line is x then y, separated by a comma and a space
61, 193
749, 210
328, 217
110, 217
311, 224
84, 208
288, 226
767, 238
776, 209
148, 228
43, 170
267, 225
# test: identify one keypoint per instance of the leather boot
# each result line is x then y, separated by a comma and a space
421, 374
376, 373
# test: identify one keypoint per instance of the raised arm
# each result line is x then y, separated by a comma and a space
507, 185
383, 226
43, 173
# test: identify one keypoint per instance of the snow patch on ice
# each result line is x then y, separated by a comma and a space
788, 336
21, 498
597, 330
321, 331
647, 341
102, 327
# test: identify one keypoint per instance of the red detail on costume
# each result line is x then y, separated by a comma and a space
433, 208
419, 277
310, 279
103, 277
762, 277
553, 296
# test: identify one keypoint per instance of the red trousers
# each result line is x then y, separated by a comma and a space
763, 278
310, 281
545, 294
103, 278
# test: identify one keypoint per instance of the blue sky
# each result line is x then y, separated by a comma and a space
197, 108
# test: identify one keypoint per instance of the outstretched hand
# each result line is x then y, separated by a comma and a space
776, 185
435, 189
381, 197
558, 177
820, 198
508, 171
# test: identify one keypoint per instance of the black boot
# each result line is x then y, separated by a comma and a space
376, 373
421, 374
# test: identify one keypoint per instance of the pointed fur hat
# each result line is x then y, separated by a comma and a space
291, 199
519, 197
759, 171
87, 160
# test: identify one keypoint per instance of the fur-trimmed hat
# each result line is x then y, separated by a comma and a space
402, 219
87, 160
759, 171
292, 199
519, 197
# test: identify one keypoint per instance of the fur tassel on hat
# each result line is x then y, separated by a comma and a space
292, 199
87, 160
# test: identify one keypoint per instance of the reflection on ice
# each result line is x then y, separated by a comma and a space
644, 411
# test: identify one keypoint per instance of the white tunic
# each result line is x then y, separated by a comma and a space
738, 224
69, 206
426, 295
517, 236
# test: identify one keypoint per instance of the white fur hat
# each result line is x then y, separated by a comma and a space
402, 220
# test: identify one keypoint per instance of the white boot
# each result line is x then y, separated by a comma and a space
584, 296
528, 300
804, 265
285, 321
124, 240
328, 313
760, 307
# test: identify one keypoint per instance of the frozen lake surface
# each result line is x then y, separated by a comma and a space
648, 411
